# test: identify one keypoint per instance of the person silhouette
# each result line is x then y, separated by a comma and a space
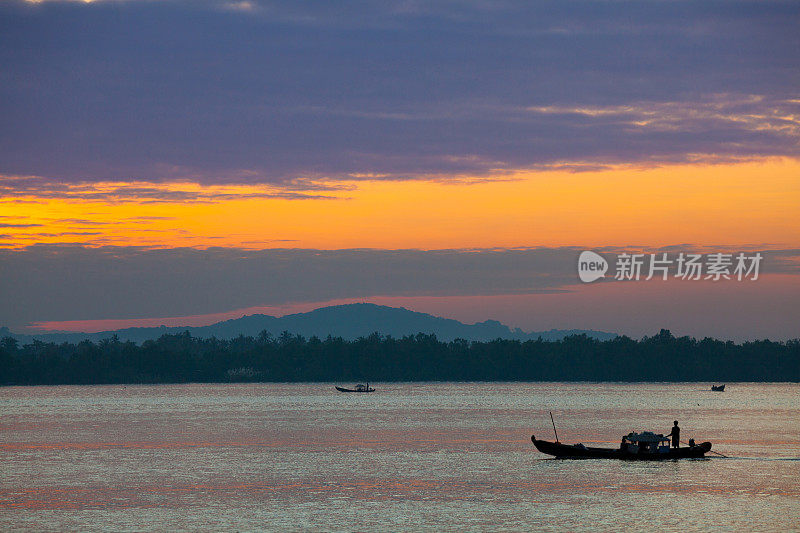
675, 435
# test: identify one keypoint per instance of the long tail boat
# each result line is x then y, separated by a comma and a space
645, 446
358, 388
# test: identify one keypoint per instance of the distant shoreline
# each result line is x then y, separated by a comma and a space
703, 386
289, 358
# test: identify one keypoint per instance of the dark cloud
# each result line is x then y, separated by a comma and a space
49, 234
151, 192
79, 221
55, 282
5, 225
68, 282
276, 92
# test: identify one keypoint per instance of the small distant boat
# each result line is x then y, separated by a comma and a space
645, 446
718, 388
358, 388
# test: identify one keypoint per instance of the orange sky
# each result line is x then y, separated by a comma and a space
749, 203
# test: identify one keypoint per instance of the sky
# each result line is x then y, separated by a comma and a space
177, 162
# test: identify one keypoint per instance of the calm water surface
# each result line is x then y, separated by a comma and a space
409, 456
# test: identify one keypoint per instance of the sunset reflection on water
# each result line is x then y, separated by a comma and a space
409, 456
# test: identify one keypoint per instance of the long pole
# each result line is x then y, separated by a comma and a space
554, 425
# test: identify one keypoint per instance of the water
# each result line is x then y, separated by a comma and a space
410, 456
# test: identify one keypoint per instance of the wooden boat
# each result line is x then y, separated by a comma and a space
358, 388
645, 446
719, 388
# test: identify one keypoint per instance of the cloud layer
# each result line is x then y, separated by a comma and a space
289, 93
63, 282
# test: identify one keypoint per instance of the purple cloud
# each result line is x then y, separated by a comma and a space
300, 94
142, 283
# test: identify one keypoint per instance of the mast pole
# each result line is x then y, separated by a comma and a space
554, 425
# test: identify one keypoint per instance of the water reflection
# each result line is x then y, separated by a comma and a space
413, 456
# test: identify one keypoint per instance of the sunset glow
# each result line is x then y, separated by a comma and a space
734, 203
178, 162
276, 265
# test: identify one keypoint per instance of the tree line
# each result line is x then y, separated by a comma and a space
182, 358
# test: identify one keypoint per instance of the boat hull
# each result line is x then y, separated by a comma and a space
567, 451
342, 389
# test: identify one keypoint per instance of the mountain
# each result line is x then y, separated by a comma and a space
348, 321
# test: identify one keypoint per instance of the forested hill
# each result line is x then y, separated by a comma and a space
183, 358
348, 321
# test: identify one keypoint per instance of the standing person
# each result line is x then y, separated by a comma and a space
675, 435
